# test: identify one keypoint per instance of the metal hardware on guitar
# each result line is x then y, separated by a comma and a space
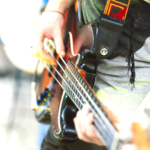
41, 104
42, 113
43, 97
42, 109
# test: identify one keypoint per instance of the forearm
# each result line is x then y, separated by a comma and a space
60, 5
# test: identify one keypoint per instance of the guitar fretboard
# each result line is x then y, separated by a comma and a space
80, 92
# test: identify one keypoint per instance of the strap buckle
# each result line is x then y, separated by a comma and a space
109, 32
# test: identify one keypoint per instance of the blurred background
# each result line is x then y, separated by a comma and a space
19, 129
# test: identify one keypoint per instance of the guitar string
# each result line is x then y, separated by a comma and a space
111, 133
59, 82
73, 74
95, 106
71, 46
95, 121
92, 109
69, 94
77, 97
100, 124
96, 114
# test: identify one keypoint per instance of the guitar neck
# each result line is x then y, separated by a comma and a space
80, 92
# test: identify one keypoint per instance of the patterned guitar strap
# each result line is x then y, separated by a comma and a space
110, 26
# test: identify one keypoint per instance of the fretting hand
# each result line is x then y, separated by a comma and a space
84, 120
83, 124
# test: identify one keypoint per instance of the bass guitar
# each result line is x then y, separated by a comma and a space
72, 81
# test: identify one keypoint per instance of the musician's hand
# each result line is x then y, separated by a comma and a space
50, 26
83, 124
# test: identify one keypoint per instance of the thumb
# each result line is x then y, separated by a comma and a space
60, 49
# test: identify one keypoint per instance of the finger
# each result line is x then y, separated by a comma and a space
94, 137
84, 113
81, 115
77, 123
79, 133
43, 55
58, 40
85, 110
85, 120
89, 128
89, 119
48, 58
91, 134
86, 125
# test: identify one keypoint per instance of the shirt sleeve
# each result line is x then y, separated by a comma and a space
92, 9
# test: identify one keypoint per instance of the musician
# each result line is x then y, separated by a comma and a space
112, 84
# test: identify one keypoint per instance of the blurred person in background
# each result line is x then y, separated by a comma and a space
15, 31
112, 83
5, 64
17, 19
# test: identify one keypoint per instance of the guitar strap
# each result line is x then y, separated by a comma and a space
108, 29
110, 26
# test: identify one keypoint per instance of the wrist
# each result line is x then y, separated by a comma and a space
55, 11
59, 5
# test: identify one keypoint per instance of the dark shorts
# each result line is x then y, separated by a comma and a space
50, 143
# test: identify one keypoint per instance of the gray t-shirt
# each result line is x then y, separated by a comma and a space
139, 12
112, 82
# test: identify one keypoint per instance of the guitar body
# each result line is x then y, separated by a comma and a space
43, 112
64, 128
64, 111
